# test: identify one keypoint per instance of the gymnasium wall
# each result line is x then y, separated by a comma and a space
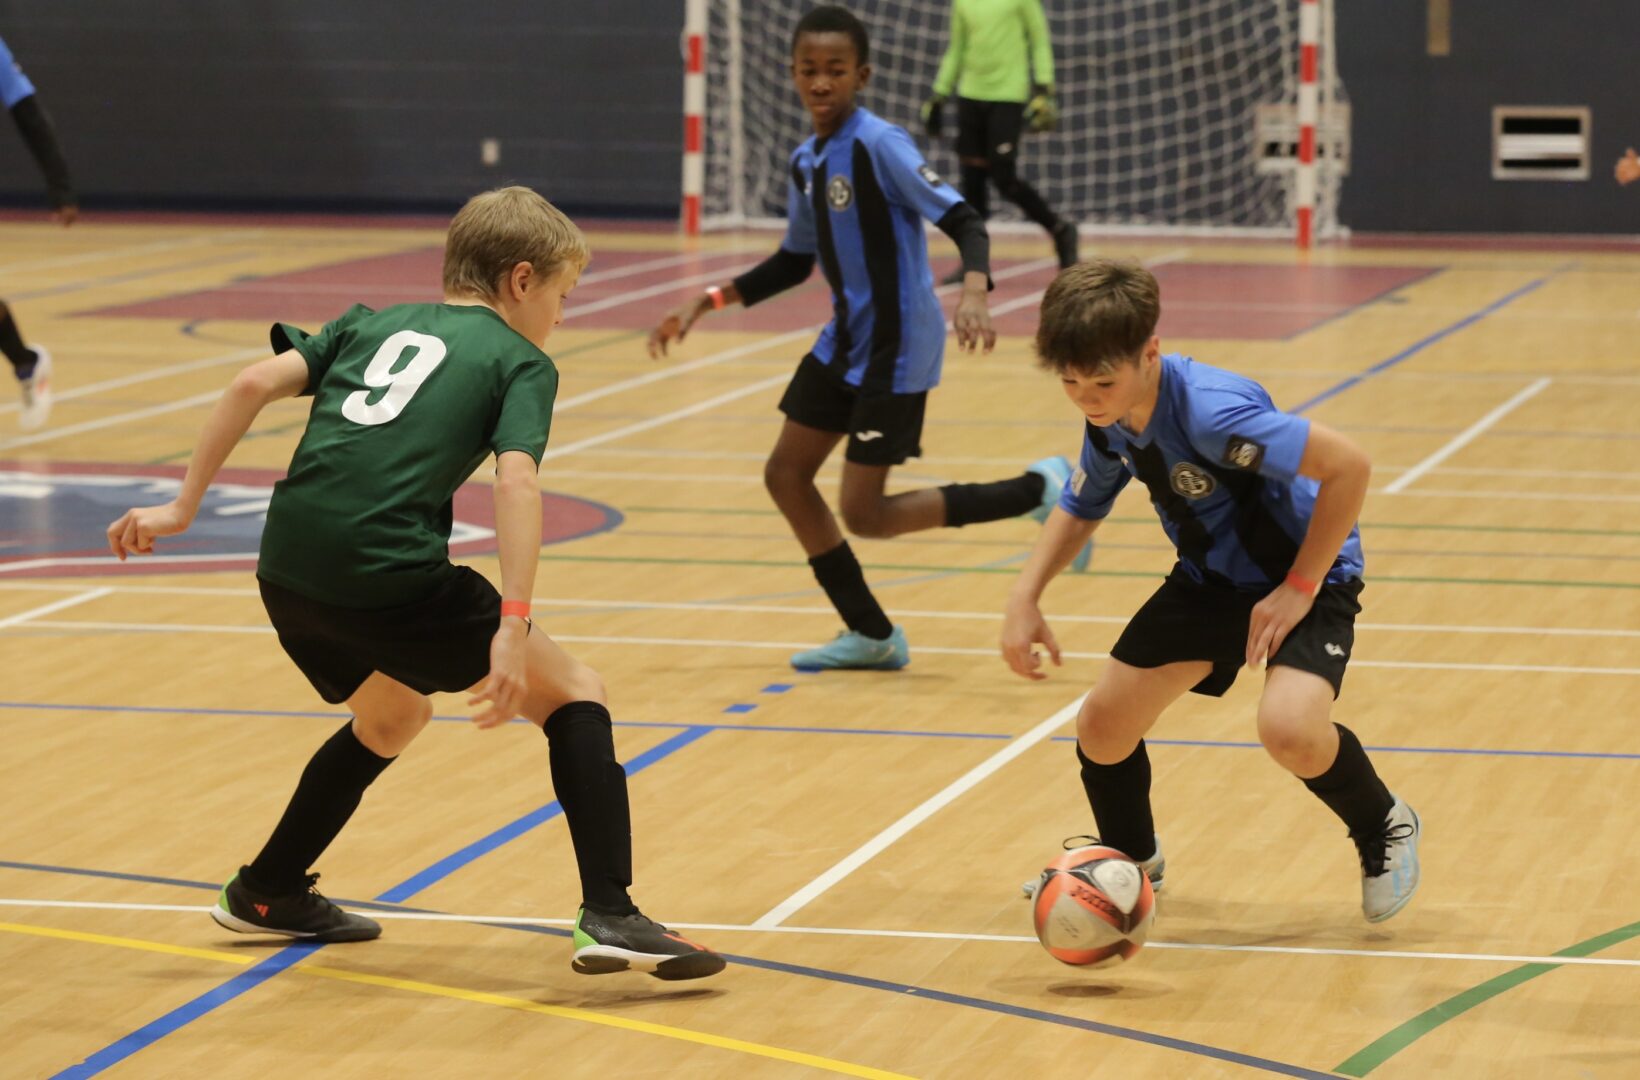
384, 103
353, 103
1422, 126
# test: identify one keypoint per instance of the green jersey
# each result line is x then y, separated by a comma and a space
407, 402
1000, 48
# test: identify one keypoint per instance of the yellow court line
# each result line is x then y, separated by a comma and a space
795, 1057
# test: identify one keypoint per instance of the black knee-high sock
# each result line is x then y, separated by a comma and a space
968, 504
976, 188
839, 573
11, 343
326, 796
1120, 797
591, 787
1351, 788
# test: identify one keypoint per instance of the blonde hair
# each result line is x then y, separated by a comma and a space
1096, 315
498, 230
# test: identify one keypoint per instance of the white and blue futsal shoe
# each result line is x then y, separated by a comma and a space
853, 650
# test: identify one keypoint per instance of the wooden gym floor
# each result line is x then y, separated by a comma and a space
855, 841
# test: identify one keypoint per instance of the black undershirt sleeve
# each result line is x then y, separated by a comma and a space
779, 272
963, 224
37, 131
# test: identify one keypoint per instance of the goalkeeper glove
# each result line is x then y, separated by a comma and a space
1041, 114
931, 115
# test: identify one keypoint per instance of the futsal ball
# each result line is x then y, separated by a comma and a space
1093, 907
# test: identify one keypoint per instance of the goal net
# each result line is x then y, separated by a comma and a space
1174, 114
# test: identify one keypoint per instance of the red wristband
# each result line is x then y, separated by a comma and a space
715, 295
520, 608
1302, 584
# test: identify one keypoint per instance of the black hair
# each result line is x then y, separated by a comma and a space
834, 19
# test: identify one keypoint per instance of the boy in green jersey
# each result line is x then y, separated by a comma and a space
1000, 64
356, 577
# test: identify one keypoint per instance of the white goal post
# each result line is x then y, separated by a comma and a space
1176, 116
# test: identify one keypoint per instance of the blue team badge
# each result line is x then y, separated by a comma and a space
1243, 453
839, 194
929, 175
1191, 480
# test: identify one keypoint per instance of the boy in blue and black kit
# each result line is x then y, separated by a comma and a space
1262, 507
858, 196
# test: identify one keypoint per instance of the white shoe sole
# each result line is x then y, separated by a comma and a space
230, 921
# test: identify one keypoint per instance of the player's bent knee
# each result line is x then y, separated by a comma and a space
867, 521
1294, 740
1105, 735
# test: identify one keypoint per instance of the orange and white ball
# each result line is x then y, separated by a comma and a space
1093, 907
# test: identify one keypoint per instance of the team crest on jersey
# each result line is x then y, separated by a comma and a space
1191, 480
839, 194
1078, 478
1243, 453
929, 175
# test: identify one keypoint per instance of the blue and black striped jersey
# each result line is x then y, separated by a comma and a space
857, 199
1221, 464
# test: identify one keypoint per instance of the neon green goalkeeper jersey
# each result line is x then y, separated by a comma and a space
407, 402
1000, 48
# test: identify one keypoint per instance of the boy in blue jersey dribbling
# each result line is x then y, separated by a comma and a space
1262, 507
858, 195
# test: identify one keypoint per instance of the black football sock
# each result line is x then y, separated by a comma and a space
591, 787
839, 573
969, 504
326, 796
1120, 797
11, 344
1351, 788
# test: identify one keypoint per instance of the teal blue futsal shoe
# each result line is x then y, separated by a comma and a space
853, 650
1055, 471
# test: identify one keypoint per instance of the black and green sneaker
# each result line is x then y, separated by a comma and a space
305, 914
608, 943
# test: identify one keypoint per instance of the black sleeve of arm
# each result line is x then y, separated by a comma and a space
963, 224
37, 131
776, 274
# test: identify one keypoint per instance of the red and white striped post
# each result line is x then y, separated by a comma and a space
694, 113
1309, 46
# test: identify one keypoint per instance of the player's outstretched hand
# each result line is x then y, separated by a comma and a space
502, 692
1628, 167
973, 321
675, 326
1023, 629
134, 532
1273, 618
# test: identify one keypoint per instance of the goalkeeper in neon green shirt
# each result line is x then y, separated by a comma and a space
1000, 63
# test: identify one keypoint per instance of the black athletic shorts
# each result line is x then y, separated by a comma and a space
1185, 620
989, 129
882, 429
440, 643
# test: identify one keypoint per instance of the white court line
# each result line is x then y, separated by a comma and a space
115, 566
127, 252
112, 421
668, 417
871, 848
1464, 438
1519, 496
55, 605
151, 373
830, 613
936, 650
856, 932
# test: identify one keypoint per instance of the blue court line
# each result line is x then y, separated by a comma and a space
1414, 349
261, 972
777, 688
741, 707
1362, 305
793, 729
448, 865
865, 982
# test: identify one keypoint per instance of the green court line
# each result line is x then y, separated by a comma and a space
925, 568
1370, 525
1370, 1057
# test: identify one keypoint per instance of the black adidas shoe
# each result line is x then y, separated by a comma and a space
1065, 243
608, 943
306, 915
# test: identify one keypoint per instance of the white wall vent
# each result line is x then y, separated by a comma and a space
1540, 142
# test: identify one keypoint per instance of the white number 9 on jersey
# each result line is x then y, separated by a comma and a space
401, 385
